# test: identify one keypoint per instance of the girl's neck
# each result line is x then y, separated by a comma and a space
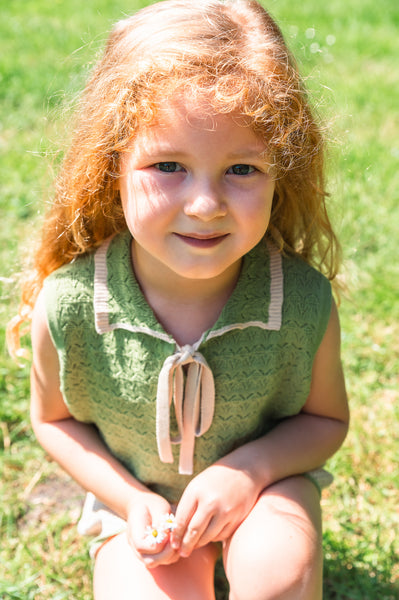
186, 307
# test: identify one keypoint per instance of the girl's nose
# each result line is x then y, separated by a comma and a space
205, 201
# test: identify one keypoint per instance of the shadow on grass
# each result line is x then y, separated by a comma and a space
348, 574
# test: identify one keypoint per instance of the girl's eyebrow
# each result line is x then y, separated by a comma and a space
252, 152
150, 149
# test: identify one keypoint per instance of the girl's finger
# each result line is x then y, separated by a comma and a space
184, 513
225, 533
215, 532
136, 525
166, 556
195, 531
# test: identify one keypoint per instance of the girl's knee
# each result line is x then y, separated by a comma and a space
281, 577
290, 578
119, 573
276, 552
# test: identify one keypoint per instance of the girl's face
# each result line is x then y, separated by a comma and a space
196, 193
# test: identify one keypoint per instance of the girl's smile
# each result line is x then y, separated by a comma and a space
199, 240
196, 193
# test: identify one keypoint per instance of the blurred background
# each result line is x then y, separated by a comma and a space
348, 52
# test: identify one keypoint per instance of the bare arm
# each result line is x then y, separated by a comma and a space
220, 497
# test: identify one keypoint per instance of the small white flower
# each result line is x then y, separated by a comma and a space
168, 522
154, 535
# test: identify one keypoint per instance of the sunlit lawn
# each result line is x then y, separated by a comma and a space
349, 51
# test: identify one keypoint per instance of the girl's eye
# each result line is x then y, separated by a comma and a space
168, 167
241, 170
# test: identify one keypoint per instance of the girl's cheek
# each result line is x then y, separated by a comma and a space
153, 186
146, 202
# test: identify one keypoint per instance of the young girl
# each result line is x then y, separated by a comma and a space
186, 361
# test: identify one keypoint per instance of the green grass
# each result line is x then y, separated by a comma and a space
349, 53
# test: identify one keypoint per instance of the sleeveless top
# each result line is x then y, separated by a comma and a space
168, 412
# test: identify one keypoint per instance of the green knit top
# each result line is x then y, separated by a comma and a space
251, 369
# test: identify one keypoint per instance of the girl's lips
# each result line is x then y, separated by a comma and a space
202, 240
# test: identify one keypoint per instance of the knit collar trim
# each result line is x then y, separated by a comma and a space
119, 303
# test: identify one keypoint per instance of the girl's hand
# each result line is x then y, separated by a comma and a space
147, 533
212, 507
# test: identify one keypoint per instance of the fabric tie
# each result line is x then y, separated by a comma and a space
194, 403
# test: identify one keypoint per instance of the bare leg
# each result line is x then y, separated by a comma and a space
119, 573
276, 552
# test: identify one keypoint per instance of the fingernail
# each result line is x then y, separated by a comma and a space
175, 542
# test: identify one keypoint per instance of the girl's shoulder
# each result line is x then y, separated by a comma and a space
297, 276
77, 277
308, 296
68, 298
302, 279
73, 280
69, 292
298, 269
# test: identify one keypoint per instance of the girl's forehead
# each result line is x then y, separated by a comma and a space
197, 112
181, 127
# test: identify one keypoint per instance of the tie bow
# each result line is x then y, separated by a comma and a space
193, 396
